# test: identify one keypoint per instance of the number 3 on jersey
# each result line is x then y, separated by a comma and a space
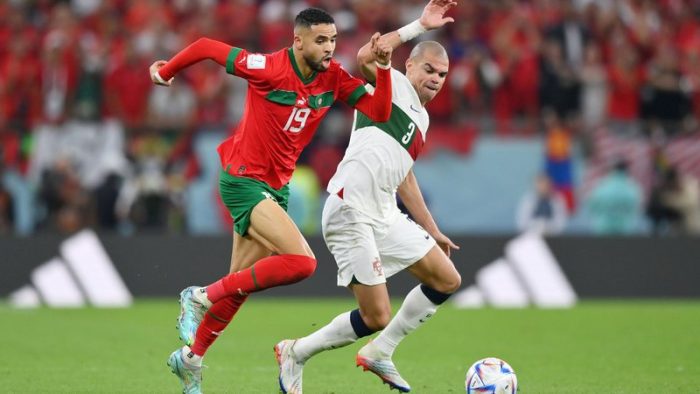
407, 137
297, 120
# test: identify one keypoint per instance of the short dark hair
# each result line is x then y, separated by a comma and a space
313, 16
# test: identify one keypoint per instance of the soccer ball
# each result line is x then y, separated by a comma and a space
491, 376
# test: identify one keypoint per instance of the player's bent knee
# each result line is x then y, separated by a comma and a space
378, 321
305, 266
309, 267
454, 283
449, 283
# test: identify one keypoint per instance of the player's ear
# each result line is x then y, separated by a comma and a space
299, 34
298, 42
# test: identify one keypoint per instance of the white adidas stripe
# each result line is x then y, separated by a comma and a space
541, 275
528, 274
86, 275
95, 271
56, 285
501, 286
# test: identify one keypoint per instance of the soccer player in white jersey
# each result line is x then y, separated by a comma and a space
366, 232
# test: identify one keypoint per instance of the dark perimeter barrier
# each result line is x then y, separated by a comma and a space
160, 265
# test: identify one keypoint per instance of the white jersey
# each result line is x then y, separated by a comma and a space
380, 155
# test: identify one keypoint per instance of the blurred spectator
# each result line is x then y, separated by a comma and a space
7, 143
664, 103
473, 74
61, 66
88, 100
211, 89
73, 87
106, 196
515, 40
542, 210
127, 90
594, 92
145, 200
571, 35
173, 110
558, 162
615, 203
6, 212
16, 195
19, 73
625, 78
674, 205
67, 204
559, 85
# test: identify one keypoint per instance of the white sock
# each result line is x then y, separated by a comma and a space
190, 357
414, 311
200, 295
337, 333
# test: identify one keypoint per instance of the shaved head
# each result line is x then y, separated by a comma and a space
427, 68
431, 48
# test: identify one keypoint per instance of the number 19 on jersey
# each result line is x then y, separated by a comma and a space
297, 120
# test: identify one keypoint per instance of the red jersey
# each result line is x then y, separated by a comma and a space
282, 112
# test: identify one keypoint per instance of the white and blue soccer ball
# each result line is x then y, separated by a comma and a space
491, 376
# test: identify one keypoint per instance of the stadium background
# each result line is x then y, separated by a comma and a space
564, 88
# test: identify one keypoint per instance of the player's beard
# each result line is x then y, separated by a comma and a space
316, 65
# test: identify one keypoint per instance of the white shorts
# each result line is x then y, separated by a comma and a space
367, 249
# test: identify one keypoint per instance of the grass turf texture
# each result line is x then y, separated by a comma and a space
597, 347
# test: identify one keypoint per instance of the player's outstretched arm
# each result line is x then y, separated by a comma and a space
377, 106
162, 72
413, 200
433, 17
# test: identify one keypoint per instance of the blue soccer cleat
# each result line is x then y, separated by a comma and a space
191, 314
371, 359
190, 376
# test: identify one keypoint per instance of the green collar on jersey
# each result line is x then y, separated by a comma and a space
306, 81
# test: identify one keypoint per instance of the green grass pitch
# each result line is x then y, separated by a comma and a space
597, 347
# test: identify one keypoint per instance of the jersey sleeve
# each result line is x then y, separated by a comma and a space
254, 67
351, 88
377, 106
399, 83
203, 48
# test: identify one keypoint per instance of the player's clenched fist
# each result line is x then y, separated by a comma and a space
381, 48
155, 77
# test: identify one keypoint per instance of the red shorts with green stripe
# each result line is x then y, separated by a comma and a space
241, 195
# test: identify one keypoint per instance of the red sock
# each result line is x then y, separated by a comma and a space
215, 321
269, 272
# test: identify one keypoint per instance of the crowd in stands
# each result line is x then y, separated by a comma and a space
87, 139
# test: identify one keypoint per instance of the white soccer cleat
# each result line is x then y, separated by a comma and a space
372, 359
190, 375
191, 314
290, 369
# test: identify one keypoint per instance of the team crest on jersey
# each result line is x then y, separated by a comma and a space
256, 62
377, 267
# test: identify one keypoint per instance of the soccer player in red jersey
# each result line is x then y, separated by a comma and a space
289, 92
